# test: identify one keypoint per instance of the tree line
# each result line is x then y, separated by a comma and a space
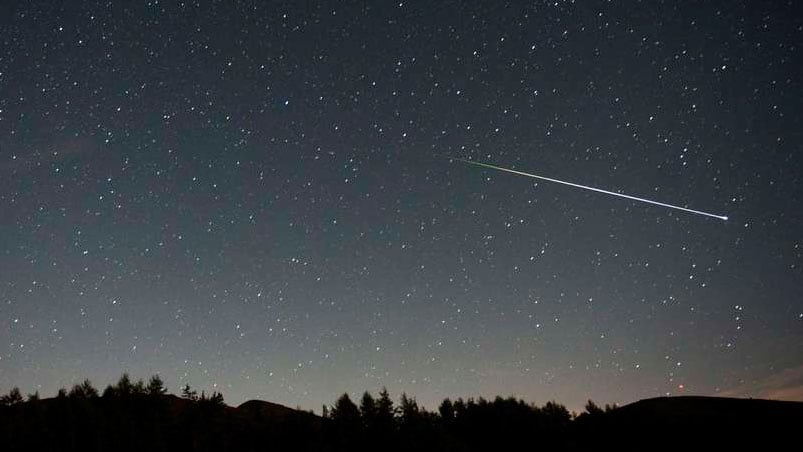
142, 415
456, 425
124, 387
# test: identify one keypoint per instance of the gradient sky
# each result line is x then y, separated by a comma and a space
257, 198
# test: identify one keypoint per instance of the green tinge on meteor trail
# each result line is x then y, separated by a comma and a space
599, 190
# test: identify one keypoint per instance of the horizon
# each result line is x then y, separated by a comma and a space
355, 396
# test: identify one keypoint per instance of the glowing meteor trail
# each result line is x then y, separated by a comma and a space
599, 190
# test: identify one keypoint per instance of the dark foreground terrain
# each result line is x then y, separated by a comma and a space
138, 417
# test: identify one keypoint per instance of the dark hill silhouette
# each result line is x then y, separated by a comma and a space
708, 409
131, 416
696, 421
257, 408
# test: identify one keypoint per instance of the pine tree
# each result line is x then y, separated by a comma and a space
109, 391
88, 390
345, 411
124, 386
156, 386
189, 393
345, 418
385, 421
85, 390
13, 397
592, 409
446, 410
138, 387
384, 407
408, 407
216, 399
368, 409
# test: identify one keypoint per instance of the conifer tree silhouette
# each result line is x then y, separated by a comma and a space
188, 393
368, 409
156, 386
84, 390
13, 397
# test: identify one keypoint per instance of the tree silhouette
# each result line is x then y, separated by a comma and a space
345, 418
368, 408
384, 412
556, 420
124, 386
13, 397
216, 399
408, 407
446, 410
558, 413
85, 390
592, 409
345, 411
189, 393
138, 387
417, 428
156, 386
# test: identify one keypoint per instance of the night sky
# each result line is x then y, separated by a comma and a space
261, 198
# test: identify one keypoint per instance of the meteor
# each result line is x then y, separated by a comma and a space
598, 190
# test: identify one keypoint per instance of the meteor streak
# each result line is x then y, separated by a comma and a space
599, 190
